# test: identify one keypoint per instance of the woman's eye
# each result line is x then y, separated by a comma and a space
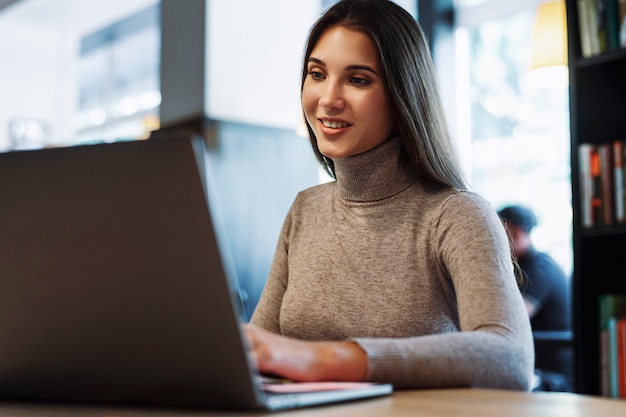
358, 81
316, 75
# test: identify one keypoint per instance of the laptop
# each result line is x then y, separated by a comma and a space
116, 285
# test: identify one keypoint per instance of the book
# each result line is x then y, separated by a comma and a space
621, 357
619, 181
589, 18
621, 14
612, 352
603, 346
597, 199
584, 28
605, 156
612, 24
599, 8
612, 311
586, 186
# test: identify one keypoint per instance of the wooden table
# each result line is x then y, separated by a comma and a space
435, 403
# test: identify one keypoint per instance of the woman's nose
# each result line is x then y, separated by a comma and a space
332, 97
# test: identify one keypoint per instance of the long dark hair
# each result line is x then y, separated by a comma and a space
411, 81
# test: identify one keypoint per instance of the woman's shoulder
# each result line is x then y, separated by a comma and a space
316, 192
448, 198
312, 198
467, 198
465, 206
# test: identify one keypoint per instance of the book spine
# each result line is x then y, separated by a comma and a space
592, 17
621, 357
613, 362
584, 28
612, 345
584, 162
612, 25
597, 209
605, 152
621, 13
603, 346
605, 378
618, 181
601, 24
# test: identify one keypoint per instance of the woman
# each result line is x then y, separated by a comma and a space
394, 272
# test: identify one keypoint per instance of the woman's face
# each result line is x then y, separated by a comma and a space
344, 97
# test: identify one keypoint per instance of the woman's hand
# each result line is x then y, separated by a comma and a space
306, 361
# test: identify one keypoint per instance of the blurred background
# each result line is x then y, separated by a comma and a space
74, 72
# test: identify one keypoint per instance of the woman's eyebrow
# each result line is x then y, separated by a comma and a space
349, 67
316, 61
362, 68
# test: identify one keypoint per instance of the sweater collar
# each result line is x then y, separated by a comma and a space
379, 173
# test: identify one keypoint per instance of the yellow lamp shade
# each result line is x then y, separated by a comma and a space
549, 42
548, 61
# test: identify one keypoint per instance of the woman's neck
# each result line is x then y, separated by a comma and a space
377, 174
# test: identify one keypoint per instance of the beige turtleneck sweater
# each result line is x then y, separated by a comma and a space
420, 276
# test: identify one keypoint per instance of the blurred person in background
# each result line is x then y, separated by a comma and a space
546, 295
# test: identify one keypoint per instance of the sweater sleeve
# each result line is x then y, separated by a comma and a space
494, 346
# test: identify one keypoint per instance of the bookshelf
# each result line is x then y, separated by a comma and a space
597, 115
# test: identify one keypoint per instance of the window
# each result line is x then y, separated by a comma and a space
515, 131
118, 79
76, 71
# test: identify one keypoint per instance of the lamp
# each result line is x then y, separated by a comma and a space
548, 63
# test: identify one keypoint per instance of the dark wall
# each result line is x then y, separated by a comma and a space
258, 171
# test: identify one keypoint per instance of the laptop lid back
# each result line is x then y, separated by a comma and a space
112, 288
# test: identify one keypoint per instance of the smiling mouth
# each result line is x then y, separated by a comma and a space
334, 124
